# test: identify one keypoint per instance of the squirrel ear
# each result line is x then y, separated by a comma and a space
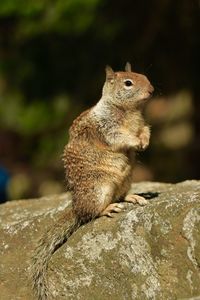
128, 67
110, 74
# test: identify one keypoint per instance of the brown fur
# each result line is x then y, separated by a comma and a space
99, 160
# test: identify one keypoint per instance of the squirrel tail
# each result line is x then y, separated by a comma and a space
48, 244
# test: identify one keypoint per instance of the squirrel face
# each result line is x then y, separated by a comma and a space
126, 88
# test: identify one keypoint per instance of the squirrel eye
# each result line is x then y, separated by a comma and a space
128, 82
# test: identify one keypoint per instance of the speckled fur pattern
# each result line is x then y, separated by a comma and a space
90, 164
99, 160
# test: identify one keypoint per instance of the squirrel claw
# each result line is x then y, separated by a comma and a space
112, 208
136, 199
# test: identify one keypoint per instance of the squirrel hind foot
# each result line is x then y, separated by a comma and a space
112, 208
136, 199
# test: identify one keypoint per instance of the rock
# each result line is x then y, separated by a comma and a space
150, 252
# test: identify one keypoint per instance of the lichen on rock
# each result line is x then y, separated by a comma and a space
150, 252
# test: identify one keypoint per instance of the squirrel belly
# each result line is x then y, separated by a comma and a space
99, 161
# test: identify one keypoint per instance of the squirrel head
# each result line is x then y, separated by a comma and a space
127, 88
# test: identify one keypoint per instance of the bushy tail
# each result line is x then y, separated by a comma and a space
48, 244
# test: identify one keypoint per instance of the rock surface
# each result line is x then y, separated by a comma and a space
150, 252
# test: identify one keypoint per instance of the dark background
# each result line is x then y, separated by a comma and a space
52, 60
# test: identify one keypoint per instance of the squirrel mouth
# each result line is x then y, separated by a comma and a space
149, 96
149, 93
143, 101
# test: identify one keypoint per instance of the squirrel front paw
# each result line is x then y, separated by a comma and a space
144, 140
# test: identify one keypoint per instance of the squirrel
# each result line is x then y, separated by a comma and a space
99, 161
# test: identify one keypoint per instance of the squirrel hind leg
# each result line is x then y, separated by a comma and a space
106, 198
93, 201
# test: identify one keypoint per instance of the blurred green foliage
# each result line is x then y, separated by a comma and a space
52, 59
43, 16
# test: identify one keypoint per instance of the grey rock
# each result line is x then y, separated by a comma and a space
150, 252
